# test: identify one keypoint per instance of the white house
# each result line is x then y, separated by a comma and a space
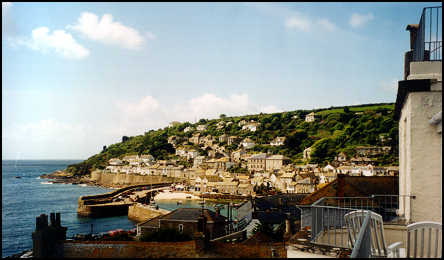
278, 141
247, 143
310, 117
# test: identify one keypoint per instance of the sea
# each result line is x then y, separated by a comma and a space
25, 196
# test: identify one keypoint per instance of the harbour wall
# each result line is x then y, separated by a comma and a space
140, 213
122, 179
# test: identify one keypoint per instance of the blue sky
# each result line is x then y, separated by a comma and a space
77, 76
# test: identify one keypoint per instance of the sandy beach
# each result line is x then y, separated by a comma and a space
176, 195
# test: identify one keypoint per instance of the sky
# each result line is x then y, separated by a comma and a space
78, 76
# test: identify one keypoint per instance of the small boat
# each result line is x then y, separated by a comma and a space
18, 177
201, 202
179, 202
188, 197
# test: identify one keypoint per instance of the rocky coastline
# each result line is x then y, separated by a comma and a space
62, 177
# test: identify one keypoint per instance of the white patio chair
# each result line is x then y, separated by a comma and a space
354, 221
428, 229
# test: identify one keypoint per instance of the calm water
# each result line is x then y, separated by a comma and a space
25, 198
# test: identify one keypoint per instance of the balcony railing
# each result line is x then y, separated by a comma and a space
328, 226
428, 42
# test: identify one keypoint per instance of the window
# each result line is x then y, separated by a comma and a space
180, 228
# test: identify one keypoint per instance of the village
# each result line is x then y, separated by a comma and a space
244, 172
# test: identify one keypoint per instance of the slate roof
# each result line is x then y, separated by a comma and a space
355, 186
192, 214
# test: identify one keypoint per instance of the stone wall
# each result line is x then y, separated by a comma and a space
140, 213
121, 179
228, 250
130, 249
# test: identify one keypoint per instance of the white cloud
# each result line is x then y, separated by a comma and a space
59, 41
270, 109
298, 22
107, 31
358, 20
326, 24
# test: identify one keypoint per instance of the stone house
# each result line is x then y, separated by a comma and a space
245, 189
227, 187
241, 123
304, 186
247, 143
201, 127
223, 138
275, 162
198, 161
233, 140
147, 159
195, 139
372, 150
115, 161
310, 117
188, 129
187, 221
257, 162
252, 126
220, 125
132, 159
360, 161
288, 177
278, 141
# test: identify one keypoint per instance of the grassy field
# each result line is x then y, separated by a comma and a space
355, 109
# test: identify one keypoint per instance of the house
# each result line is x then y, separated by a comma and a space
310, 117
147, 158
201, 127
245, 189
418, 110
187, 221
233, 140
257, 162
115, 161
198, 160
223, 138
341, 157
360, 160
252, 126
247, 143
328, 168
172, 140
241, 123
188, 129
133, 160
220, 125
278, 141
195, 138
372, 150
304, 186
275, 162
307, 153
288, 177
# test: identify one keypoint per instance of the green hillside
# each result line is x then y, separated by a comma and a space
336, 129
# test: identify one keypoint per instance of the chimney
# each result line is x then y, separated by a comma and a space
412, 28
53, 219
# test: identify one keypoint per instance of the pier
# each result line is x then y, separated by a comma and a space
116, 203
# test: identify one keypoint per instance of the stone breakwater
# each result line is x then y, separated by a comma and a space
107, 179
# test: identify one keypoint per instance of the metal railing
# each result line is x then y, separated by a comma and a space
428, 42
328, 226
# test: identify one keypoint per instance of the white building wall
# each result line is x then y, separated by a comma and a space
420, 157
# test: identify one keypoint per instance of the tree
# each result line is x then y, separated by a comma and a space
222, 116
